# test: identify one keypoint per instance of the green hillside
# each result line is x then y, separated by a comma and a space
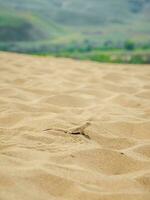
53, 26
14, 27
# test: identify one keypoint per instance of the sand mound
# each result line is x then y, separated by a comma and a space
72, 130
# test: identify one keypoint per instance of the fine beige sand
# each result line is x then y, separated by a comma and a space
73, 130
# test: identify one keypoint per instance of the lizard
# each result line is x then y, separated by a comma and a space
77, 130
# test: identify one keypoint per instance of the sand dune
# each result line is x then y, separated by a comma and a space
72, 130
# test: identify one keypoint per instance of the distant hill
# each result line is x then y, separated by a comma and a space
34, 25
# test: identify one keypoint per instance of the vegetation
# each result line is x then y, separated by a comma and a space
129, 45
103, 31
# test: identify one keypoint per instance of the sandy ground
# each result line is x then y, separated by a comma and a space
72, 130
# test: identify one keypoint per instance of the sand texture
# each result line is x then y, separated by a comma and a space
73, 130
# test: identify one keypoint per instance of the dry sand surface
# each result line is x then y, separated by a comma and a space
73, 130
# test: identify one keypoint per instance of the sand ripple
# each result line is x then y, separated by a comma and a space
43, 99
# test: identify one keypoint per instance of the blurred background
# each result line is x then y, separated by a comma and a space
99, 30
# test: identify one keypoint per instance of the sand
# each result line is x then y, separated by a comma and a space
73, 130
